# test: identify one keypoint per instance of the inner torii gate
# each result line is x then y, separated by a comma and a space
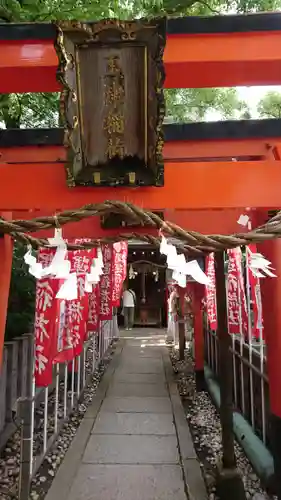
204, 189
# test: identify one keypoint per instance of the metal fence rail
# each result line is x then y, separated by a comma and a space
250, 380
41, 412
15, 379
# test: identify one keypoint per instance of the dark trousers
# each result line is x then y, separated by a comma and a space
129, 316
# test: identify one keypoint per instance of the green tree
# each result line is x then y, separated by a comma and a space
20, 315
41, 110
270, 105
29, 110
187, 105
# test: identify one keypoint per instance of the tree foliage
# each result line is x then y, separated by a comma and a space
270, 105
22, 297
187, 105
41, 110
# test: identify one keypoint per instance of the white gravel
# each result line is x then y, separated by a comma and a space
205, 425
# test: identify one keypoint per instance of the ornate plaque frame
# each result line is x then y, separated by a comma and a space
80, 104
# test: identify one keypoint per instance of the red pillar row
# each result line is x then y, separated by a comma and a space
271, 307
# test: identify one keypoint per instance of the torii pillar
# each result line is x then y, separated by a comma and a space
271, 308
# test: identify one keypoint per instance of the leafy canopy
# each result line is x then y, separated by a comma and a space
41, 110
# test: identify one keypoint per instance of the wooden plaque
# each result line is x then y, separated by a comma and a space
112, 101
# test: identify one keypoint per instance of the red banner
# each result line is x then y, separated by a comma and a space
45, 256
76, 322
74, 313
236, 298
255, 292
45, 330
106, 283
120, 253
210, 290
60, 325
94, 309
81, 260
72, 325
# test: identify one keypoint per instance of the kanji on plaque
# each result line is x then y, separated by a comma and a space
45, 330
236, 298
94, 308
210, 290
106, 283
120, 253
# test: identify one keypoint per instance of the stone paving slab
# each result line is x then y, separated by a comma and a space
134, 423
137, 405
128, 482
142, 365
144, 344
141, 390
142, 352
139, 378
114, 449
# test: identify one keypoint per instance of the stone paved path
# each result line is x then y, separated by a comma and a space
132, 451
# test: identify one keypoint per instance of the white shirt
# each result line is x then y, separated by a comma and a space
171, 300
128, 298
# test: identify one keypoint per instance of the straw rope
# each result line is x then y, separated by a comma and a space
191, 241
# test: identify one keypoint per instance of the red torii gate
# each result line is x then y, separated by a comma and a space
201, 52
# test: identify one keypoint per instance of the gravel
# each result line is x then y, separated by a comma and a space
205, 428
10, 457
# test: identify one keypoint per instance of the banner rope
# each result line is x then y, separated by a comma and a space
190, 241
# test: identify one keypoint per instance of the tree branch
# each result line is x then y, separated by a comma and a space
211, 9
5, 15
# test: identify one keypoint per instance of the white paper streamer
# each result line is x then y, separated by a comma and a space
57, 240
63, 270
36, 270
59, 267
164, 246
243, 220
88, 285
29, 259
68, 291
193, 269
260, 266
179, 278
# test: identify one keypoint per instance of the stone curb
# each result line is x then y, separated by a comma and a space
66, 474
194, 482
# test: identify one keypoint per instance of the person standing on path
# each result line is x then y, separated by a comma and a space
129, 302
172, 333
